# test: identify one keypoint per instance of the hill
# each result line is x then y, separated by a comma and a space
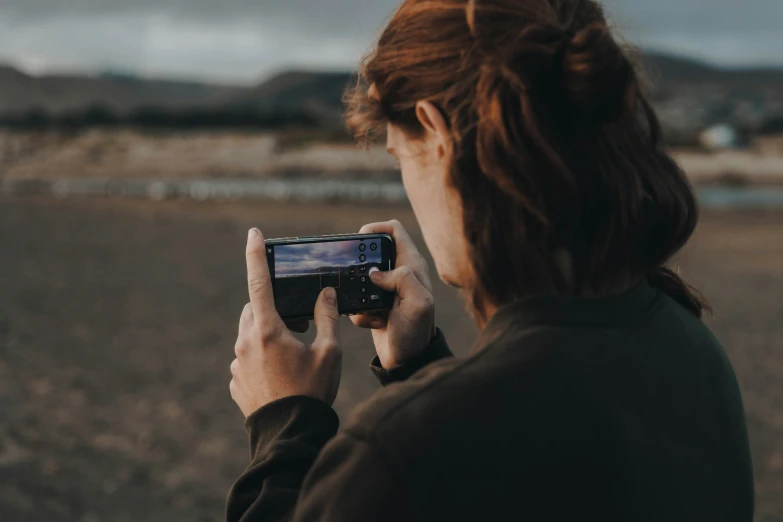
315, 96
59, 93
665, 70
319, 94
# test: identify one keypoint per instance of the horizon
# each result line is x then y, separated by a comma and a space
242, 42
294, 68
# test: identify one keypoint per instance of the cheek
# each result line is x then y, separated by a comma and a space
438, 218
414, 181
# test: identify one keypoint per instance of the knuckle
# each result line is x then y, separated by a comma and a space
235, 367
269, 335
332, 345
405, 271
329, 346
407, 274
424, 304
245, 319
257, 284
240, 348
232, 387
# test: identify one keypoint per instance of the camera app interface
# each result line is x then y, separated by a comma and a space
301, 271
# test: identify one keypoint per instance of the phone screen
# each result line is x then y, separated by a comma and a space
302, 268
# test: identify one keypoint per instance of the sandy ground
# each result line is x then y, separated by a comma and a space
117, 326
129, 154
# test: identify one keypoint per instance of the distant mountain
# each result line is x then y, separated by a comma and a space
59, 93
295, 86
670, 71
316, 95
319, 94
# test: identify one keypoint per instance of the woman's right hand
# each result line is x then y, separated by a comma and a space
402, 333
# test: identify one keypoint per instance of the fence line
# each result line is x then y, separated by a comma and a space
298, 190
307, 190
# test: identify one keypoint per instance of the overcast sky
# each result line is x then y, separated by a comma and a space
304, 259
243, 41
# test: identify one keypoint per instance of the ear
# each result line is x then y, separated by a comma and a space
435, 127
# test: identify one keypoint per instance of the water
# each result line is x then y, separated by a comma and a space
311, 190
747, 197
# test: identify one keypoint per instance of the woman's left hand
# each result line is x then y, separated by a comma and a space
271, 363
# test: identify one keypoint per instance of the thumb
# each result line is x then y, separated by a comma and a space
401, 281
327, 320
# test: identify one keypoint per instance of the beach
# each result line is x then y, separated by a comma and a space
117, 328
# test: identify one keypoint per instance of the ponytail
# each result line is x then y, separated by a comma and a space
555, 145
670, 283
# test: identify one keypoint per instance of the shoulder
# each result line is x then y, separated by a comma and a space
456, 388
501, 402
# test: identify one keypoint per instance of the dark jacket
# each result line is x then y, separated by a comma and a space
568, 409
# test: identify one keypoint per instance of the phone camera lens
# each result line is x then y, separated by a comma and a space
362, 258
373, 247
363, 247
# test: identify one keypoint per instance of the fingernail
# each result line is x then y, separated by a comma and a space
330, 296
253, 232
377, 276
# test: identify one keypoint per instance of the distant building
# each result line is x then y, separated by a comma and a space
720, 137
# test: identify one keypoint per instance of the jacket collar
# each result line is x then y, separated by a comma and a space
549, 310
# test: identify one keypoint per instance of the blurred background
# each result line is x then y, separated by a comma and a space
140, 140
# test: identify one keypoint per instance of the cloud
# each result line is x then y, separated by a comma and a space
245, 40
307, 258
720, 31
156, 42
325, 18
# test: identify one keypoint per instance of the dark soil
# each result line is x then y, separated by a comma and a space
117, 327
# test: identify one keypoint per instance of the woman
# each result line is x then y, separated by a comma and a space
534, 165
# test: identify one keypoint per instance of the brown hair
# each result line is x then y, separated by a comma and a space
555, 146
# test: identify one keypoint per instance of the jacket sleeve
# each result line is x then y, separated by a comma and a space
286, 436
350, 480
438, 349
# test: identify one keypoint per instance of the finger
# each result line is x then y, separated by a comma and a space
402, 281
394, 228
259, 282
327, 321
407, 252
298, 326
370, 320
246, 319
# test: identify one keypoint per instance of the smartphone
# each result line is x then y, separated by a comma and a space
301, 267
